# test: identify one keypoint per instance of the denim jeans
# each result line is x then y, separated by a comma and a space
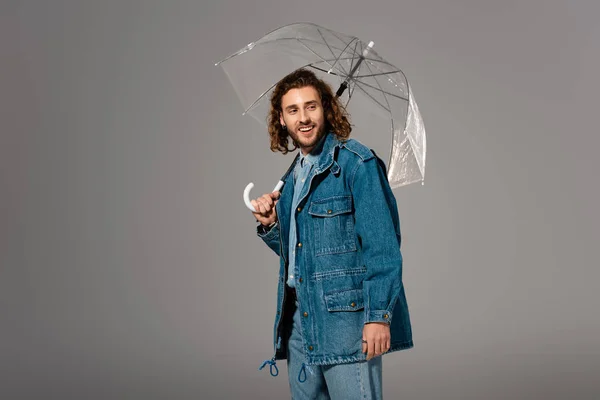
358, 380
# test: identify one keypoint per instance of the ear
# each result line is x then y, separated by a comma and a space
281, 121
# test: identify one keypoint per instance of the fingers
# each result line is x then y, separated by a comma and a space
259, 207
375, 346
264, 207
370, 348
266, 201
264, 204
378, 345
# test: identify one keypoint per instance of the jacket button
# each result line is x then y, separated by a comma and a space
305, 314
300, 280
385, 316
353, 304
310, 348
299, 209
328, 211
299, 244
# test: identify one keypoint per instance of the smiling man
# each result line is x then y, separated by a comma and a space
341, 303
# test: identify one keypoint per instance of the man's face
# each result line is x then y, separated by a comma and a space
302, 114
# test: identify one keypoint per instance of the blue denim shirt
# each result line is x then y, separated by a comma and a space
303, 166
348, 258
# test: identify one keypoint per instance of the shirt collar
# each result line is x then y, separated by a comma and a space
314, 155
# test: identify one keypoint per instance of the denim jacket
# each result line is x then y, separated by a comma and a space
348, 260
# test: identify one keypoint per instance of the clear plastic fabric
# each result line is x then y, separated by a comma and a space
376, 87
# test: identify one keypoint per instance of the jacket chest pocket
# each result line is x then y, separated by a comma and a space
333, 224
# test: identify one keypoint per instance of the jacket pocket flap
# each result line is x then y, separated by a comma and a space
331, 206
347, 300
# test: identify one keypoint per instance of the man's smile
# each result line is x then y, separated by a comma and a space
306, 129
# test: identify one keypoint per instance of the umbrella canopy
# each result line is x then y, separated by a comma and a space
366, 84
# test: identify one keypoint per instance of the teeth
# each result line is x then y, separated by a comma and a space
306, 129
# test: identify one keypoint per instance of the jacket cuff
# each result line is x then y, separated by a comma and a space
378, 316
269, 232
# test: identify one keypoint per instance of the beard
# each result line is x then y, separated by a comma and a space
306, 142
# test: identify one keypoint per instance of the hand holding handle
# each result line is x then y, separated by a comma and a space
247, 194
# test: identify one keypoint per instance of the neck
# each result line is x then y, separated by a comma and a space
306, 150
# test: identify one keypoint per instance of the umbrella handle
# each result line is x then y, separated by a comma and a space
247, 194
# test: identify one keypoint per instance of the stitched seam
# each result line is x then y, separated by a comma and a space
327, 200
358, 164
336, 250
341, 291
339, 272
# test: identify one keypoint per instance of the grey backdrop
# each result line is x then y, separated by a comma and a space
129, 266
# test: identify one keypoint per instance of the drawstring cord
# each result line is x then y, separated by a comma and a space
273, 367
272, 363
303, 371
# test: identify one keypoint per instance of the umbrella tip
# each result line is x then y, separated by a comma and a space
369, 47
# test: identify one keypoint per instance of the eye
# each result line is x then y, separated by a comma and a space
292, 111
312, 107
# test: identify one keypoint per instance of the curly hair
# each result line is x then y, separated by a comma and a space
336, 117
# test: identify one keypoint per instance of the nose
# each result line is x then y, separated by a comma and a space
304, 117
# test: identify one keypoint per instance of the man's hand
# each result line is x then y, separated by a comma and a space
377, 335
265, 207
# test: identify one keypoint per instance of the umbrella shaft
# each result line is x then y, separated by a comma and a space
355, 68
344, 84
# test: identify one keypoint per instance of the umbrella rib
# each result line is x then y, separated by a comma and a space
341, 40
407, 106
397, 71
408, 87
354, 58
339, 57
312, 51
373, 98
272, 86
265, 42
350, 93
322, 59
363, 76
324, 70
260, 97
382, 91
380, 88
377, 74
325, 41
361, 83
307, 40
333, 73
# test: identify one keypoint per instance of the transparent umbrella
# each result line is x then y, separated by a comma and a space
365, 83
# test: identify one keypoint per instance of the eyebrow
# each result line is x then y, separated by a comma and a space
308, 103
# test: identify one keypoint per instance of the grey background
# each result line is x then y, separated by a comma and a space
129, 266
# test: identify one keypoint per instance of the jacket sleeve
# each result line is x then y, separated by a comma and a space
378, 227
270, 237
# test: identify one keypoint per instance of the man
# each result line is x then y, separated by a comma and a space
340, 301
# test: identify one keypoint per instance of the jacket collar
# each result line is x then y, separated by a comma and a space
325, 150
